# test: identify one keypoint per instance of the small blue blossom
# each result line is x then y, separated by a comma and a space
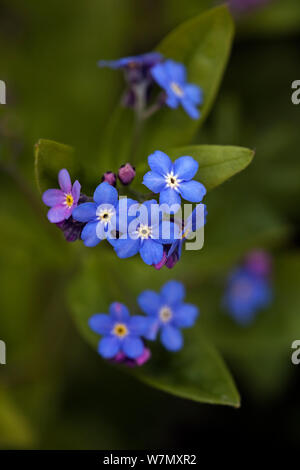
173, 180
168, 313
172, 253
99, 216
171, 76
246, 294
145, 233
121, 332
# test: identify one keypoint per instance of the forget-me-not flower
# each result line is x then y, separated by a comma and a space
171, 76
173, 180
246, 293
145, 233
62, 201
168, 313
99, 216
121, 332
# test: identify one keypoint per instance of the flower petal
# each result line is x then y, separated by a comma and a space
76, 191
185, 315
119, 311
65, 181
85, 212
185, 168
160, 75
160, 163
125, 248
173, 292
109, 346
58, 213
190, 108
101, 323
53, 197
133, 347
151, 252
192, 191
105, 193
89, 234
193, 93
170, 197
171, 338
176, 71
149, 302
154, 181
138, 325
153, 328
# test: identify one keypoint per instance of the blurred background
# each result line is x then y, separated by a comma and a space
55, 392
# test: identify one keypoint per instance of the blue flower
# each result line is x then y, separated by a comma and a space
121, 332
145, 233
172, 252
173, 180
168, 313
99, 216
246, 294
171, 76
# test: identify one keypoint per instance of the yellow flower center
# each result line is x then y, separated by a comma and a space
172, 180
144, 231
177, 89
69, 201
165, 314
120, 330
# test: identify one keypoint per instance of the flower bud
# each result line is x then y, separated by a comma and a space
110, 178
126, 173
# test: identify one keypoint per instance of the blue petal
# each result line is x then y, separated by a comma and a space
154, 181
166, 232
171, 338
125, 248
160, 75
192, 191
85, 212
138, 325
193, 93
106, 193
197, 219
185, 315
160, 163
149, 302
109, 346
172, 100
170, 197
173, 292
133, 347
89, 235
190, 108
124, 207
153, 327
101, 323
185, 168
176, 71
151, 252
119, 311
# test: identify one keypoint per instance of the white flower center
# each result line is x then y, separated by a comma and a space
165, 314
144, 231
177, 89
172, 180
105, 215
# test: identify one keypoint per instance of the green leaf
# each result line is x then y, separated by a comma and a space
203, 44
196, 373
216, 163
50, 157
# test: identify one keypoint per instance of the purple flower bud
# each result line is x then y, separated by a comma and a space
259, 262
71, 229
126, 174
110, 178
241, 6
121, 358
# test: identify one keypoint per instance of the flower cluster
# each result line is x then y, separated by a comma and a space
123, 336
142, 72
249, 288
131, 226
